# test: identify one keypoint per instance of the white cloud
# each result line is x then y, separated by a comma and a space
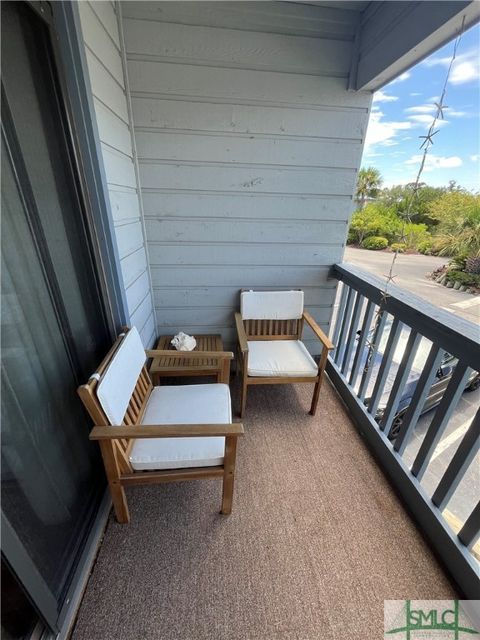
402, 77
431, 109
421, 108
425, 119
383, 132
436, 162
380, 96
465, 68
457, 114
415, 93
475, 157
466, 71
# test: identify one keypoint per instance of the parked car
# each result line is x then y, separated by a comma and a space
436, 391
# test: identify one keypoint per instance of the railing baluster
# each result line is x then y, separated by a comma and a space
357, 310
470, 532
440, 420
420, 394
372, 354
345, 323
366, 364
339, 318
385, 366
362, 339
460, 462
400, 381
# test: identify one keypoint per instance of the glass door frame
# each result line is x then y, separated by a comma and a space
92, 192
27, 573
69, 70
69, 54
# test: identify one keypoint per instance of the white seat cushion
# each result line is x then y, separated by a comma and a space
185, 404
271, 305
280, 358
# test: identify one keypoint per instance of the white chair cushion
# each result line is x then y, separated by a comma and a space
271, 305
118, 382
280, 358
185, 404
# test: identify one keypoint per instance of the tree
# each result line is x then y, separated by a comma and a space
368, 184
453, 186
400, 196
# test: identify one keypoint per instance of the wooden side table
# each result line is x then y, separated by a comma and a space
173, 366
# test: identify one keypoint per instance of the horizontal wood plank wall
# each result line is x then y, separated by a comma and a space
103, 53
248, 145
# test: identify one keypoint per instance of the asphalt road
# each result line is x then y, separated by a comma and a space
410, 273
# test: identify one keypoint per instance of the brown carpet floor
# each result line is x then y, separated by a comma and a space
316, 542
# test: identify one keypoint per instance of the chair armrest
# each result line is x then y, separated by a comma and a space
242, 336
187, 355
107, 432
327, 343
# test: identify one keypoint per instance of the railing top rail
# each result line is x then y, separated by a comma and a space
456, 335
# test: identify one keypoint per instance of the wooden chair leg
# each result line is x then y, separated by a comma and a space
117, 492
243, 395
228, 474
120, 504
238, 362
225, 372
242, 369
316, 391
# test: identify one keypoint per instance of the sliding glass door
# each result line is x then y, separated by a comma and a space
54, 329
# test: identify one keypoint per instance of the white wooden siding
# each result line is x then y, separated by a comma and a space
248, 145
169, 43
104, 59
268, 17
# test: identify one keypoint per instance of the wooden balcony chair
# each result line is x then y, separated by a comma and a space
271, 351
150, 435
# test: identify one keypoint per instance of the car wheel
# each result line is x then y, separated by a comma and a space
474, 384
396, 426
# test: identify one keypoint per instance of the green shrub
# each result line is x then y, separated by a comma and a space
458, 217
399, 247
425, 247
458, 263
375, 243
436, 247
374, 220
472, 265
414, 234
351, 237
467, 279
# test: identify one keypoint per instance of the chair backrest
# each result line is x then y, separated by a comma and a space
117, 393
272, 313
116, 385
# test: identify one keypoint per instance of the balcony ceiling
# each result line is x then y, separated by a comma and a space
317, 540
389, 37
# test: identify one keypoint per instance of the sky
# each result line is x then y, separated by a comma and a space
403, 110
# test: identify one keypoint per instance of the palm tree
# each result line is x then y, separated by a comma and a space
368, 184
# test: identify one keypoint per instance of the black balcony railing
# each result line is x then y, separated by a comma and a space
396, 355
